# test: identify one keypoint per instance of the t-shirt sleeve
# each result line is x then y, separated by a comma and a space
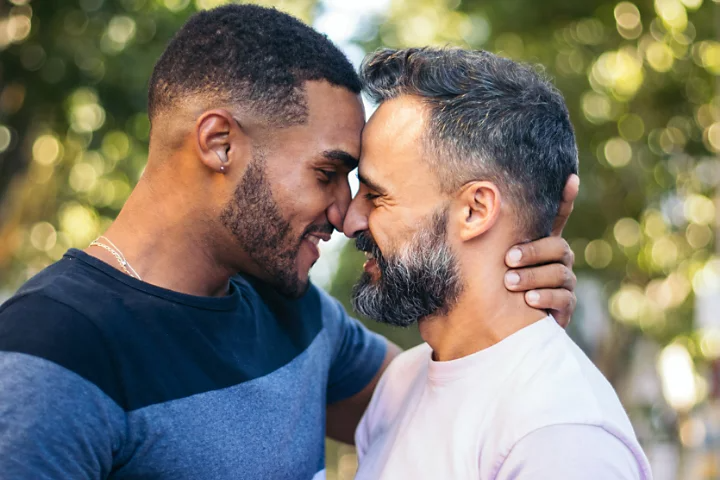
565, 452
358, 352
53, 422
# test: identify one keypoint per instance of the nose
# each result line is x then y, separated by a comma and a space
356, 220
337, 211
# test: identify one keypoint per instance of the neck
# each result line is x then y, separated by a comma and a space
167, 243
485, 314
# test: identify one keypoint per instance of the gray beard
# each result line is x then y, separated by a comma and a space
423, 281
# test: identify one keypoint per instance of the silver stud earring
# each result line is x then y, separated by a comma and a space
222, 168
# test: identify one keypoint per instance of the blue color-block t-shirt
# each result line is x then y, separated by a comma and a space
105, 376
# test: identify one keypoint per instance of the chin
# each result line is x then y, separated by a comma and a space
296, 289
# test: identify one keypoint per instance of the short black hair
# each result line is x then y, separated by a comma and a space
250, 55
490, 118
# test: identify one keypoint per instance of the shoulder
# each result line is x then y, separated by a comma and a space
40, 326
37, 321
56, 424
555, 384
572, 451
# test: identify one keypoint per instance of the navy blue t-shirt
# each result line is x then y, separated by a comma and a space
105, 376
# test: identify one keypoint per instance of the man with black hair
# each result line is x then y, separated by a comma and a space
468, 154
147, 355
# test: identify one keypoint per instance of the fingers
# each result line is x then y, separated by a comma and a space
539, 252
559, 302
554, 275
570, 193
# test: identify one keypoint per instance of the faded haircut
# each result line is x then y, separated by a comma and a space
254, 56
489, 118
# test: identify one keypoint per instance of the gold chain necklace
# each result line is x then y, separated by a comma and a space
115, 251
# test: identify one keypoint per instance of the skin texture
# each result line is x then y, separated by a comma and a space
193, 246
179, 228
399, 201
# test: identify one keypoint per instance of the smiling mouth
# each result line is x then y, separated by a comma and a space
316, 237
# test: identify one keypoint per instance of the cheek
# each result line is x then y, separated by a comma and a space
384, 230
303, 199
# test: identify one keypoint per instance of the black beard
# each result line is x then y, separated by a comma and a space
423, 284
255, 220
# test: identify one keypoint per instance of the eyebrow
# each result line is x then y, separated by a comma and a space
343, 157
370, 184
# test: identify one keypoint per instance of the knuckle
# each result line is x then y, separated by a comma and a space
567, 253
569, 305
529, 252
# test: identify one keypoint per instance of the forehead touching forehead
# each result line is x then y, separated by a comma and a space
336, 117
331, 132
393, 147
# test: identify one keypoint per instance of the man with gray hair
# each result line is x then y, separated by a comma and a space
467, 154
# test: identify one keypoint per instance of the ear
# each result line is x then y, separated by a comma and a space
480, 204
220, 140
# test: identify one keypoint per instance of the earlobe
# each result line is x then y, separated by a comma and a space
222, 156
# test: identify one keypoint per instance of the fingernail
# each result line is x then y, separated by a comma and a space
512, 278
515, 255
533, 297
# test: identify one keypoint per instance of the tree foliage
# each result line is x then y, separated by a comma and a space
73, 121
640, 80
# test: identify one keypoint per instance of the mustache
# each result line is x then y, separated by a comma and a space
326, 228
366, 243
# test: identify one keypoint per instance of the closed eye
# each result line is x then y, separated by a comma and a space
371, 196
327, 176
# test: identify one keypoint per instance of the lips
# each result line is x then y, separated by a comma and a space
313, 239
316, 237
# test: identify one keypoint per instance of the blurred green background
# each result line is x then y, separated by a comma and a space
641, 83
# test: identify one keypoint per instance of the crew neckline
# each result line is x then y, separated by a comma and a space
486, 360
224, 303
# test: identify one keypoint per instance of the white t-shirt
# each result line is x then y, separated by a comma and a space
530, 407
